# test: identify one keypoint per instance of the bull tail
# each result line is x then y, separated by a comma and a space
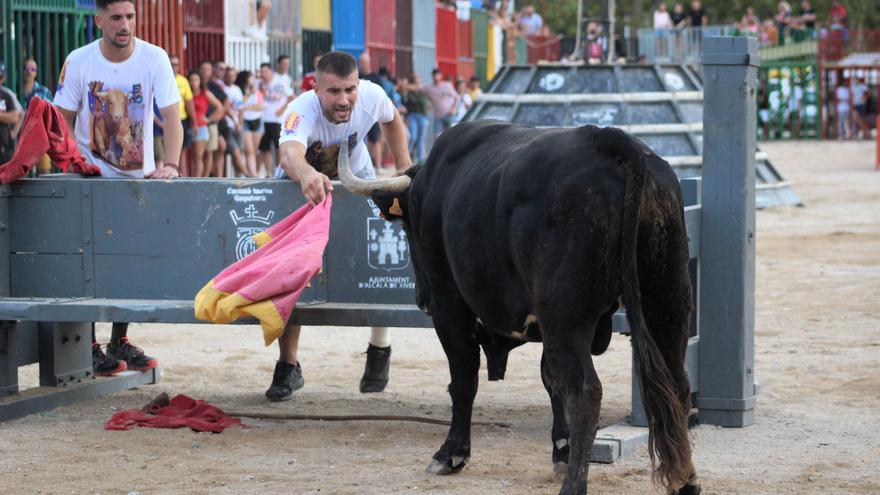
668, 439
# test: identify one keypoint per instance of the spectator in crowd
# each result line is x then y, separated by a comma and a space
697, 15
662, 25
473, 88
678, 17
750, 23
783, 19
9, 118
593, 49
807, 16
530, 22
187, 110
843, 102
251, 116
769, 35
662, 19
374, 136
212, 72
442, 94
202, 101
235, 134
33, 88
417, 106
310, 79
119, 70
17, 104
860, 107
463, 101
837, 15
277, 93
259, 16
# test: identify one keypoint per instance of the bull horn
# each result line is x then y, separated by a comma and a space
363, 186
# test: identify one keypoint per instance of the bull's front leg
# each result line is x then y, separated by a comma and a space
455, 330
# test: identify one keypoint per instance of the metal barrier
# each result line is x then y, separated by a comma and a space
53, 287
662, 46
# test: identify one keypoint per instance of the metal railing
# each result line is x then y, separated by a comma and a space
663, 46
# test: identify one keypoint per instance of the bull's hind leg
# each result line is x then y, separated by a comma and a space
560, 433
567, 353
454, 324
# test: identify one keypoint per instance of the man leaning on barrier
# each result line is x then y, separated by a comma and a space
341, 107
105, 92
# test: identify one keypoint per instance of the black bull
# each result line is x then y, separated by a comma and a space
520, 234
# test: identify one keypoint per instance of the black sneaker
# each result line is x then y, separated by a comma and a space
286, 379
104, 365
376, 370
133, 356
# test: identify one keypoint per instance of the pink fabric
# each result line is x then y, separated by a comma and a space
179, 412
281, 269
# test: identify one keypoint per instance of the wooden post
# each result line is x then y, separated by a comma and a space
727, 258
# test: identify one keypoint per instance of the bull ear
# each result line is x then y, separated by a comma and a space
392, 205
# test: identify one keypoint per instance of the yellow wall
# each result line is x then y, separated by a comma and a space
316, 14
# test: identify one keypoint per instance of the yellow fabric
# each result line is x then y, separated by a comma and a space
316, 14
261, 239
490, 57
221, 307
185, 93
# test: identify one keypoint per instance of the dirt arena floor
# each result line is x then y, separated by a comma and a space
817, 423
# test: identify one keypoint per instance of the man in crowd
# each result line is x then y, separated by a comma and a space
374, 136
105, 92
187, 111
530, 22
216, 147
341, 108
443, 96
277, 93
10, 116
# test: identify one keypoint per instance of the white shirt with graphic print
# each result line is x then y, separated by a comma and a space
305, 123
113, 101
275, 93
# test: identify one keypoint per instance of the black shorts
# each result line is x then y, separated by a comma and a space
862, 110
187, 135
252, 125
271, 136
375, 133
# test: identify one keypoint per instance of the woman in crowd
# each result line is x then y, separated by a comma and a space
417, 105
201, 99
251, 115
463, 101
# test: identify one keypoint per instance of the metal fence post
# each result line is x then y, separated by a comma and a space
727, 259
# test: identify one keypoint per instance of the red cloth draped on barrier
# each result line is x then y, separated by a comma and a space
267, 283
45, 131
179, 412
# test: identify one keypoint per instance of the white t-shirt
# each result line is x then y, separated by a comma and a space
275, 94
859, 91
842, 93
237, 100
253, 100
305, 123
113, 101
662, 20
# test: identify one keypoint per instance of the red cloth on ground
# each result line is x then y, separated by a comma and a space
181, 411
45, 131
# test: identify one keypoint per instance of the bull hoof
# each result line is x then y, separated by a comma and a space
449, 466
689, 489
559, 468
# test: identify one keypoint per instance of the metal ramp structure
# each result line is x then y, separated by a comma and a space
662, 105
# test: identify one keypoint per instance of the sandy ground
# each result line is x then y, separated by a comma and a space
817, 425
